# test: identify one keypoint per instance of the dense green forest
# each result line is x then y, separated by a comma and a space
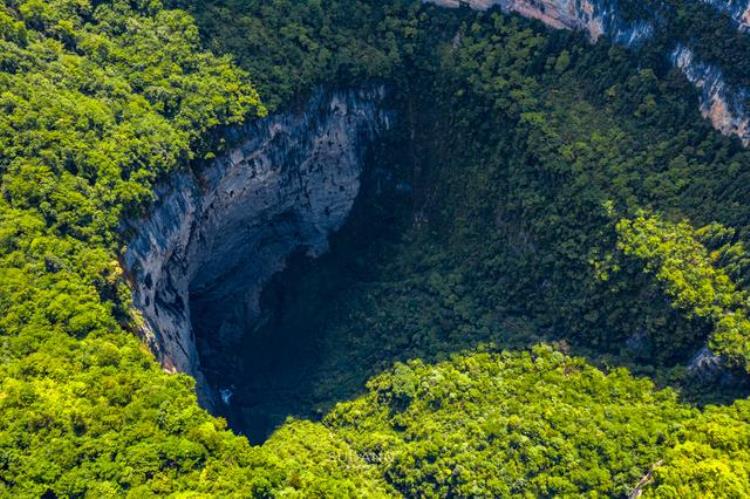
563, 192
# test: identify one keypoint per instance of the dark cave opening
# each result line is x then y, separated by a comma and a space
286, 362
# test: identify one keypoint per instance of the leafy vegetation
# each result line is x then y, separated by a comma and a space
520, 169
715, 37
289, 46
98, 101
539, 424
673, 253
530, 156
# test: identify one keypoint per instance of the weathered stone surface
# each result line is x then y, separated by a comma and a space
597, 17
721, 103
223, 233
739, 10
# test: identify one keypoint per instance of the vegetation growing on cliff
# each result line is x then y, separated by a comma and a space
97, 101
693, 283
521, 168
535, 154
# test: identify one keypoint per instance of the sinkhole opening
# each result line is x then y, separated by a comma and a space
281, 358
287, 318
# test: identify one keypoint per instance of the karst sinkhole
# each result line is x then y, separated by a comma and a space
242, 260
261, 276
286, 362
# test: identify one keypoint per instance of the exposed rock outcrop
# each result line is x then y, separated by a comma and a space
222, 233
739, 10
707, 367
720, 102
597, 17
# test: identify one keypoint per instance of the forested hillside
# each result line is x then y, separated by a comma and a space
559, 192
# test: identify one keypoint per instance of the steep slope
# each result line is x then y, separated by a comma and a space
738, 9
721, 102
215, 238
597, 17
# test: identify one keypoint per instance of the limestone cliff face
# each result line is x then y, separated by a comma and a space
720, 102
224, 232
597, 17
738, 9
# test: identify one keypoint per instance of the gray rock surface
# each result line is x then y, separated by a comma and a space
721, 103
213, 239
216, 237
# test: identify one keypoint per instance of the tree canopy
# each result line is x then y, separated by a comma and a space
561, 191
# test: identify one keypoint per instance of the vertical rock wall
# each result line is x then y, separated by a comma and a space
222, 233
721, 103
597, 17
